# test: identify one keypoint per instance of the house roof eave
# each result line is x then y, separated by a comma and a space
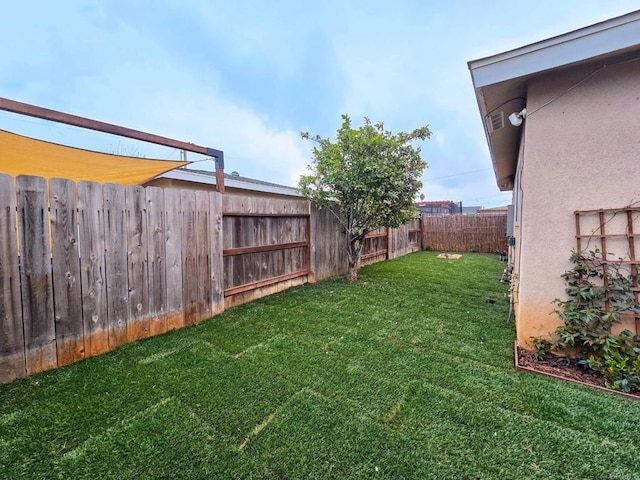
609, 36
500, 81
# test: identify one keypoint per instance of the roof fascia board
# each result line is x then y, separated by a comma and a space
599, 39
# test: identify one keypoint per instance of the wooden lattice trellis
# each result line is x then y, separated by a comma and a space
616, 233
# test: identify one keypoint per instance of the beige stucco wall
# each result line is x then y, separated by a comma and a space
581, 151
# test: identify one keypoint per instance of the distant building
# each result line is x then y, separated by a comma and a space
439, 207
493, 211
445, 207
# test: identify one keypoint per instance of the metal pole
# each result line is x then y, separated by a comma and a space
96, 125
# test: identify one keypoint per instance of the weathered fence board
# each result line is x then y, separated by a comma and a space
92, 268
116, 264
189, 257
66, 272
203, 257
173, 249
215, 253
464, 233
12, 356
137, 273
156, 255
35, 274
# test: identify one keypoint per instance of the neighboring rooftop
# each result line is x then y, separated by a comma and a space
504, 210
231, 180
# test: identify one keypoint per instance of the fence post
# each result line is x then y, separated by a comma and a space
389, 243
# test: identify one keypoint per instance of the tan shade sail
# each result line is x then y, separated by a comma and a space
27, 156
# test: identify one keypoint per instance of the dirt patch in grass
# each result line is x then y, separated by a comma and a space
450, 256
565, 369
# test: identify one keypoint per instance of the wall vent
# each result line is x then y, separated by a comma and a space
496, 121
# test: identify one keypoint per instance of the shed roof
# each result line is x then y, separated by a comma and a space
500, 81
231, 181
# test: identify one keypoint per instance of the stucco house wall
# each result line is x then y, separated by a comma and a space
562, 122
581, 151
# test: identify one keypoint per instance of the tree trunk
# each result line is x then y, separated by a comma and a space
352, 273
354, 249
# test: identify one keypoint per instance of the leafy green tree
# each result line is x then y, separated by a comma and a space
368, 178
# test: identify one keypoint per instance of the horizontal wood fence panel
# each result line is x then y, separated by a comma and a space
264, 247
381, 254
376, 247
264, 283
464, 233
248, 231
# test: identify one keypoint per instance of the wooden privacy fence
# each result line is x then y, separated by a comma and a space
386, 243
87, 267
464, 233
406, 239
375, 247
328, 246
266, 246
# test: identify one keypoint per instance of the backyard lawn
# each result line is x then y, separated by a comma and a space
406, 374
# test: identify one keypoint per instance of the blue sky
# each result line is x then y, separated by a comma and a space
246, 77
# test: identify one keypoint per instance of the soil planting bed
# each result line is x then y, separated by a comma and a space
564, 369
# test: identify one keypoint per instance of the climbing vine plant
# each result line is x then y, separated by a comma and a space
599, 294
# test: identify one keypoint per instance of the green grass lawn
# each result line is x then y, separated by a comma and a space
407, 374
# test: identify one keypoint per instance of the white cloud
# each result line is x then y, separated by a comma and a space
144, 87
402, 63
439, 137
